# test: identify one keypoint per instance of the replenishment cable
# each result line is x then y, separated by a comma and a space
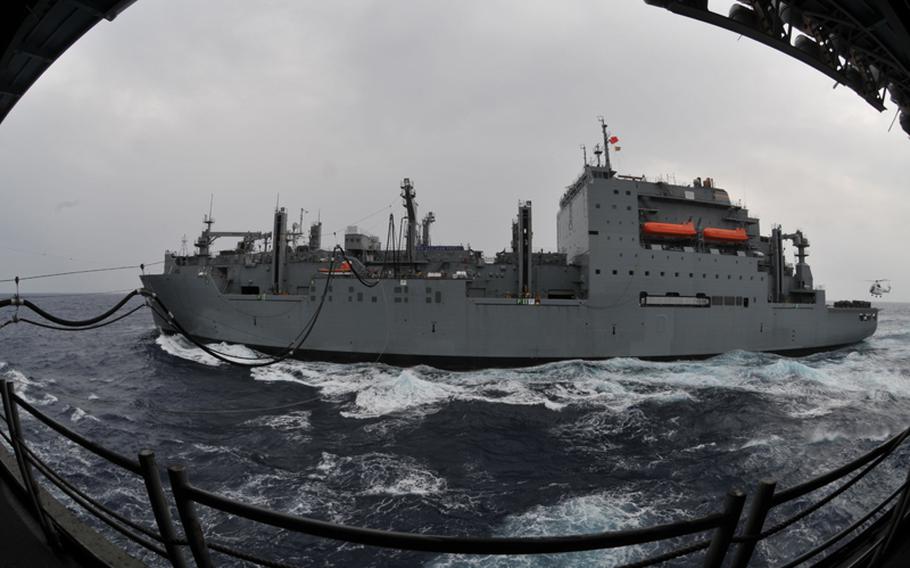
87, 271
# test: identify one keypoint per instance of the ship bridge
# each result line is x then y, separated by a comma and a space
862, 44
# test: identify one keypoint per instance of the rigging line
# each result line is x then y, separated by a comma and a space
377, 212
82, 271
894, 119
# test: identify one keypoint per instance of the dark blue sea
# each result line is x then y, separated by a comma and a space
572, 447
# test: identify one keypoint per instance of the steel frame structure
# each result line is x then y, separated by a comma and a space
862, 44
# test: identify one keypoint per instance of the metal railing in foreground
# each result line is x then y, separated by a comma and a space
164, 542
715, 533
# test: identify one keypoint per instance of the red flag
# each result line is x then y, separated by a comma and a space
613, 139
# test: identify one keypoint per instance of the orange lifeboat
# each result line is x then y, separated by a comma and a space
343, 268
725, 235
670, 230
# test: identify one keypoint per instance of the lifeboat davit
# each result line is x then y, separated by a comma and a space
725, 235
670, 230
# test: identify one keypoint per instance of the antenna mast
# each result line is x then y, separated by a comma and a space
606, 147
208, 220
407, 194
584, 154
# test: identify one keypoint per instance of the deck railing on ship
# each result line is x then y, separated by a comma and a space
726, 533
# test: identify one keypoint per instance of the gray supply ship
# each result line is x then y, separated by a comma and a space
644, 269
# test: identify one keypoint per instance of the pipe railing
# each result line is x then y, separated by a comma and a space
719, 528
143, 466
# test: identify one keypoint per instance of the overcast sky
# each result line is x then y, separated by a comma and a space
112, 155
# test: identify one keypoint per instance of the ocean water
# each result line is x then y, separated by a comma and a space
571, 447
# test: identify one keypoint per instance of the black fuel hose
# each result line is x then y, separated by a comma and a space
79, 323
86, 328
6, 302
298, 341
344, 255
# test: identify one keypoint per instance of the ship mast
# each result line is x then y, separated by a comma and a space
407, 193
606, 146
205, 239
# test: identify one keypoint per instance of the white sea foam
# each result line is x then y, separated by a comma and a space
26, 387
807, 388
391, 394
296, 421
178, 346
832, 435
587, 514
380, 474
78, 414
209, 449
765, 441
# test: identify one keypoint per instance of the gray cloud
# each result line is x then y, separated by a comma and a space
66, 205
481, 103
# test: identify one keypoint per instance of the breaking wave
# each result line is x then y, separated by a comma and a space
178, 346
809, 387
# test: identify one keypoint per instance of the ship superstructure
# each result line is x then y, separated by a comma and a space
643, 269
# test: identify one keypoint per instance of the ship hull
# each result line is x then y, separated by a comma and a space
434, 322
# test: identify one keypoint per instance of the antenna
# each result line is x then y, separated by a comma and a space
597, 152
584, 154
606, 147
207, 219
